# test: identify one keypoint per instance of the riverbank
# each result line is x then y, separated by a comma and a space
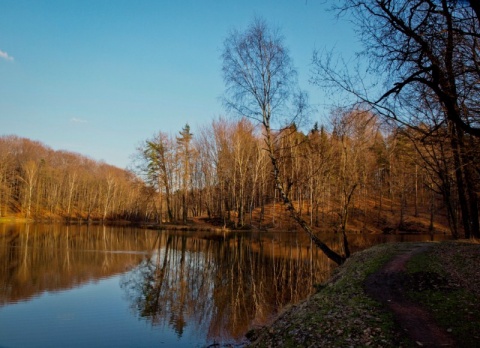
443, 279
14, 220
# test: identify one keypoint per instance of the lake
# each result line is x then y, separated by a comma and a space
101, 286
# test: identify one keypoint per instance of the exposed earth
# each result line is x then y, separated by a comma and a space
389, 285
391, 295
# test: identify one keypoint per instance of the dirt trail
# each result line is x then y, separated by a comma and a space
386, 285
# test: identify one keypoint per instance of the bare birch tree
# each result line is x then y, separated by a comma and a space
261, 84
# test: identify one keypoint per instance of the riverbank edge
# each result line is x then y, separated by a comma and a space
340, 314
194, 227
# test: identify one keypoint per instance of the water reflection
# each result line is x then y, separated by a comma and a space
39, 258
213, 287
222, 286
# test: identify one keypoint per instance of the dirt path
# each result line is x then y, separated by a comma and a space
386, 286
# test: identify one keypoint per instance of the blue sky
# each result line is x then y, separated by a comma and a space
98, 77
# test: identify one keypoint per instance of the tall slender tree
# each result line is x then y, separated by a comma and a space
157, 165
261, 84
184, 141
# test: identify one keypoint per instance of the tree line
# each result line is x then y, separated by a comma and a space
37, 182
425, 55
405, 146
357, 168
422, 74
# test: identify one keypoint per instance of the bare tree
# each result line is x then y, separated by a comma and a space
185, 150
29, 177
418, 51
158, 166
418, 46
261, 84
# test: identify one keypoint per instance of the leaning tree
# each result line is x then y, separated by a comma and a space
261, 84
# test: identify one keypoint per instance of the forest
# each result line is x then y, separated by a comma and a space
377, 176
405, 160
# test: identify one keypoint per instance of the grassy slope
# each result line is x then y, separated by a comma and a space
341, 315
446, 280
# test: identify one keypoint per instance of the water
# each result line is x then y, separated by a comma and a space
97, 286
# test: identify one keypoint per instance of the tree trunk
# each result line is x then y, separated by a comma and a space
332, 255
462, 197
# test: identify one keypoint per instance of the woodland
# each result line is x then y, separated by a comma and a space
357, 169
403, 156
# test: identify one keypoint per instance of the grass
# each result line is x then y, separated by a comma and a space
340, 314
446, 284
445, 279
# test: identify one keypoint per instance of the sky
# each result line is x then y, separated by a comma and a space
98, 77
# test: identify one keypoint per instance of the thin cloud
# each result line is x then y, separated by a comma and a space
77, 120
5, 56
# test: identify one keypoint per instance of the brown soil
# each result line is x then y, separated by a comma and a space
386, 286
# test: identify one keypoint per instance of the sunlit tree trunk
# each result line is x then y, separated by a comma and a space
29, 178
184, 142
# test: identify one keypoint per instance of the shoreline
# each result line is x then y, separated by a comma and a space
193, 225
342, 314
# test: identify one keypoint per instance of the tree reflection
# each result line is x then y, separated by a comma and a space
37, 258
222, 286
216, 285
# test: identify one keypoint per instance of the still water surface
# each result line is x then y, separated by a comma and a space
98, 286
